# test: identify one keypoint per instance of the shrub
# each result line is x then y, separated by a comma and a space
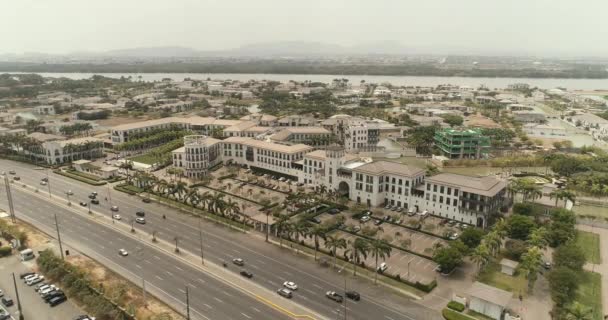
524, 208
514, 249
456, 306
5, 251
520, 226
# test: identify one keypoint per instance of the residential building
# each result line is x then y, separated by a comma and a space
66, 151
44, 110
462, 143
529, 116
296, 121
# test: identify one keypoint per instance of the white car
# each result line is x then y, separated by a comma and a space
34, 280
116, 217
382, 267
114, 208
31, 276
47, 290
140, 220
43, 183
290, 285
123, 252
69, 192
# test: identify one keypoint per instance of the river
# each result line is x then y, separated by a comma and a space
571, 84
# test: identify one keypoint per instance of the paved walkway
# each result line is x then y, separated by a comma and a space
601, 268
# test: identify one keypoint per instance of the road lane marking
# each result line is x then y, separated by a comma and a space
147, 261
246, 316
208, 306
288, 273
218, 300
182, 291
157, 257
201, 280
226, 293
138, 266
169, 273
159, 278
253, 266
389, 318
317, 286
190, 284
272, 283
256, 309
310, 291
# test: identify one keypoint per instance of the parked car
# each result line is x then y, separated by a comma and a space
12, 172
365, 219
285, 293
453, 236
51, 295
57, 300
238, 261
94, 201
123, 252
116, 217
378, 222
315, 219
7, 302
45, 179
69, 192
30, 276
387, 207
334, 296
43, 183
114, 208
140, 213
140, 220
356, 229
290, 285
92, 196
25, 274
246, 274
382, 267
353, 295
146, 200
333, 211
16, 178
34, 281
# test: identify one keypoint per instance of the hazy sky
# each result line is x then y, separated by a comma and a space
547, 27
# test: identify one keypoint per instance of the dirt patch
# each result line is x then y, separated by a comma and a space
477, 120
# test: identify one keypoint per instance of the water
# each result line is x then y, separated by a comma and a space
572, 84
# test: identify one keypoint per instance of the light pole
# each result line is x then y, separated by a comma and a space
344, 300
48, 182
90, 204
9, 197
68, 195
59, 237
408, 269
17, 296
200, 233
140, 254
187, 304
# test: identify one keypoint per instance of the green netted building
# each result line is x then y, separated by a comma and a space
462, 143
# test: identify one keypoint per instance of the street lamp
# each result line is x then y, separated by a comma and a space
48, 182
344, 300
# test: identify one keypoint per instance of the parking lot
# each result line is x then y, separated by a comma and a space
32, 304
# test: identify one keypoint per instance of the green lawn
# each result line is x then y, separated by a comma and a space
596, 211
590, 293
491, 275
590, 243
144, 158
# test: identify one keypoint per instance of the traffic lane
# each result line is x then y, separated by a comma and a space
159, 272
304, 272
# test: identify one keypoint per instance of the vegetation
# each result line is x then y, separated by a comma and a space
450, 314
79, 177
590, 244
422, 138
76, 128
151, 140
456, 306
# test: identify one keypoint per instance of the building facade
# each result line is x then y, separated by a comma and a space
198, 155
462, 143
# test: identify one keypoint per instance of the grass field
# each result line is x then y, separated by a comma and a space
587, 210
590, 243
144, 158
590, 293
492, 275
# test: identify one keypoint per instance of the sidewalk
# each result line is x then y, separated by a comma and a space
602, 268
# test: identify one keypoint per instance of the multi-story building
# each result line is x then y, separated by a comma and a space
66, 151
357, 133
44, 110
462, 143
313, 136
198, 155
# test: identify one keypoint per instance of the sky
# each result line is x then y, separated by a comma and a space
536, 27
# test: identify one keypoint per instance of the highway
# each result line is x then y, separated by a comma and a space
270, 265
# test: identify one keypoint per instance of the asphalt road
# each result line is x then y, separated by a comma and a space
270, 265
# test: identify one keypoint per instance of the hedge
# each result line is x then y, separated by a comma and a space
126, 188
79, 178
449, 314
228, 176
454, 305
5, 251
224, 192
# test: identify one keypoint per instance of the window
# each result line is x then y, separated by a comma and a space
456, 192
441, 189
428, 187
441, 199
449, 191
434, 188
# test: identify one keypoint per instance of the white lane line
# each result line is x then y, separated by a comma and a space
138, 266
246, 316
260, 262
288, 273
159, 278
256, 309
208, 306
218, 300
310, 291
178, 268
182, 291
191, 285
254, 266
272, 283
226, 293
201, 280
147, 261
238, 252
389, 318
157, 257
169, 273
317, 286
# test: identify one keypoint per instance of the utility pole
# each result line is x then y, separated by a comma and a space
17, 296
109, 194
187, 304
9, 196
344, 300
59, 237
140, 254
200, 233
48, 182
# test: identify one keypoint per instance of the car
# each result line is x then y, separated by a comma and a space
123, 252
399, 221
387, 207
356, 229
378, 222
45, 179
382, 267
394, 208
114, 208
52, 295
353, 295
315, 219
246, 274
1, 293
48, 289
41, 286
34, 281
334, 296
333, 211
547, 265
7, 302
43, 183
25, 274
94, 201
69, 192
399, 209
411, 213
464, 226
387, 218
451, 223
140, 213
285, 293
57, 300
453, 236
238, 261
16, 178
281, 179
146, 200
116, 216
290, 285
84, 204
92, 196
12, 172
140, 220
94, 193
30, 276
365, 219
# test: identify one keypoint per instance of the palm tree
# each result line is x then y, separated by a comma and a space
127, 165
360, 249
317, 232
301, 228
531, 262
577, 311
481, 256
218, 203
538, 238
379, 249
493, 242
180, 188
334, 243
192, 196
281, 224
231, 208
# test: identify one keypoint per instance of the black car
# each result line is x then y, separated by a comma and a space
247, 274
315, 219
353, 295
140, 214
84, 204
92, 196
57, 300
333, 211
7, 302
378, 222
53, 294
45, 179
146, 200
95, 201
16, 178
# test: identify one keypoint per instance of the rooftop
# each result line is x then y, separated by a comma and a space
486, 186
509, 263
383, 167
269, 145
490, 294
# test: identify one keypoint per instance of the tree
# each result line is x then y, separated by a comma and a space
514, 249
301, 228
334, 243
481, 256
563, 283
577, 311
471, 237
453, 120
569, 255
448, 258
318, 231
127, 165
531, 262
281, 225
422, 138
538, 238
562, 194
360, 250
520, 226
567, 166
380, 249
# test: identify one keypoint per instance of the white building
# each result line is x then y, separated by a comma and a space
198, 155
313, 136
488, 300
66, 151
44, 110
